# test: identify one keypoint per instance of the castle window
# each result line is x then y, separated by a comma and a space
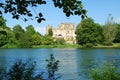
59, 34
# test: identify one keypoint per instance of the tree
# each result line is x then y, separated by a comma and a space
30, 30
109, 31
2, 22
22, 8
117, 37
60, 41
6, 35
18, 31
108, 71
50, 32
88, 33
7, 38
37, 39
21, 70
25, 41
47, 40
52, 67
3, 37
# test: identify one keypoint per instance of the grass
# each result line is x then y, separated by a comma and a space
58, 46
115, 45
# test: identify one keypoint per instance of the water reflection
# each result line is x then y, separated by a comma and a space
75, 64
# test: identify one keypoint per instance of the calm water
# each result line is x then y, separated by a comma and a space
74, 63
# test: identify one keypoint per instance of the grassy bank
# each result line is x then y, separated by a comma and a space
115, 45
59, 46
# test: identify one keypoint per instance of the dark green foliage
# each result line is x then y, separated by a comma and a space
18, 31
117, 37
50, 32
21, 71
36, 39
88, 45
60, 41
30, 30
88, 32
47, 40
25, 70
52, 67
25, 41
6, 37
3, 40
105, 72
22, 8
71, 7
2, 23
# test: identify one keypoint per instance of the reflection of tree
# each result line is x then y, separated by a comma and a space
2, 60
85, 61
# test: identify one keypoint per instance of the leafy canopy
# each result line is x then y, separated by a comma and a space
88, 32
22, 8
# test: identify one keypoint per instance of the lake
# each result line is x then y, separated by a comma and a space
74, 63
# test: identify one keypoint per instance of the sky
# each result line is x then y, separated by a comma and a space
98, 10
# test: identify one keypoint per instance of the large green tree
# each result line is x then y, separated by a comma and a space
109, 31
25, 41
36, 39
117, 37
88, 32
47, 40
30, 30
2, 22
6, 35
25, 8
18, 31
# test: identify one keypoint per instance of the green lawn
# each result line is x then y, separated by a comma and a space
115, 45
59, 46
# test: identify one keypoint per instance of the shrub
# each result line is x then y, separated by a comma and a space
26, 70
21, 71
52, 67
88, 45
60, 41
106, 72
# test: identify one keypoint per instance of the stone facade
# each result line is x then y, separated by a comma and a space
65, 31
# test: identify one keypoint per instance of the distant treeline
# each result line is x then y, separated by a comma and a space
88, 34
17, 37
91, 34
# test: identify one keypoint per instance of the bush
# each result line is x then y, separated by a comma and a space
106, 72
107, 43
52, 67
60, 41
21, 71
88, 45
9, 46
26, 70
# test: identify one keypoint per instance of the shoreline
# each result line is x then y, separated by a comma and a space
115, 45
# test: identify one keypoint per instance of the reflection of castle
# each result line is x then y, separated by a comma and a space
65, 30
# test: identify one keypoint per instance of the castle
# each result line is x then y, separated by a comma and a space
65, 31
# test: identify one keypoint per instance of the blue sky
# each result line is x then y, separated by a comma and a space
97, 9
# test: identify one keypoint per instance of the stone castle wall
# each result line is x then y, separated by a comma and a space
65, 31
